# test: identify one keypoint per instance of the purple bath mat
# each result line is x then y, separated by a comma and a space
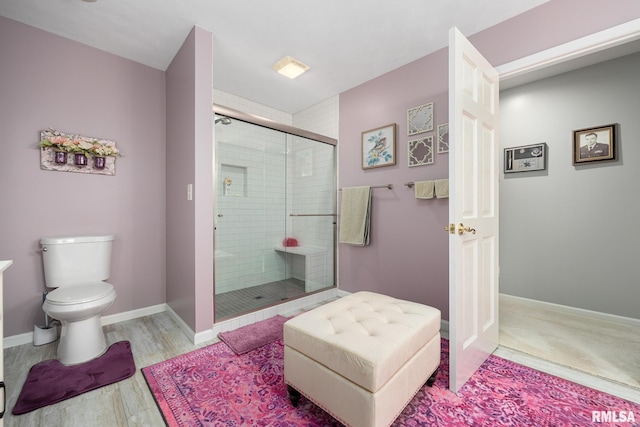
51, 382
250, 337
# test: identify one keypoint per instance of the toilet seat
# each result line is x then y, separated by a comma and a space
79, 294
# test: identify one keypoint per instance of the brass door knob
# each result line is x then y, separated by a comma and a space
462, 229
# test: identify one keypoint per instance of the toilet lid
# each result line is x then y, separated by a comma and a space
80, 293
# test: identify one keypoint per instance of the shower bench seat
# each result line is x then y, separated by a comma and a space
363, 357
313, 261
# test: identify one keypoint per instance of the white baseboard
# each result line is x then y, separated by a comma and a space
186, 329
342, 293
27, 338
133, 314
629, 321
194, 337
16, 340
444, 327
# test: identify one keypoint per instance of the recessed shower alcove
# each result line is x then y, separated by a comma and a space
234, 181
275, 204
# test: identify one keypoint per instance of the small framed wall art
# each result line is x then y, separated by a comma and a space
379, 147
525, 158
420, 151
443, 138
420, 119
594, 144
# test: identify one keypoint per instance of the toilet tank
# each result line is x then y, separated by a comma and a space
72, 260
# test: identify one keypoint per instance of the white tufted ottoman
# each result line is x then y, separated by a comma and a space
363, 357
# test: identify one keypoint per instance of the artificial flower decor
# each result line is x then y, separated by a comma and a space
103, 149
78, 144
72, 153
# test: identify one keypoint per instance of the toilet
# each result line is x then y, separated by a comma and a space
77, 267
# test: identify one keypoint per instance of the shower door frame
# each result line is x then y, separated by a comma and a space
222, 111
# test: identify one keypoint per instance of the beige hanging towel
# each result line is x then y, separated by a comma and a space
355, 213
424, 189
442, 188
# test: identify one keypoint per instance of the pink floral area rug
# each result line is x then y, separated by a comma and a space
213, 386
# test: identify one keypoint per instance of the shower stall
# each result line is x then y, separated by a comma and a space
275, 203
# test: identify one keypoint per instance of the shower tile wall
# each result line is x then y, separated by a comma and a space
244, 251
316, 193
313, 192
255, 219
245, 256
321, 118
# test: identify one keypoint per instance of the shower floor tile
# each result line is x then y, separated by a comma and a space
243, 300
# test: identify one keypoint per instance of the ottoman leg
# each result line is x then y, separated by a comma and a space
432, 378
294, 395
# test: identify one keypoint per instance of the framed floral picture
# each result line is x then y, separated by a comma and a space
379, 147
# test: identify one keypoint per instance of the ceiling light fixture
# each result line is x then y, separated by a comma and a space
290, 67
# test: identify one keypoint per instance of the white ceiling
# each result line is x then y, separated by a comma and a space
345, 42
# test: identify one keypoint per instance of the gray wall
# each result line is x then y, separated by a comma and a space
569, 235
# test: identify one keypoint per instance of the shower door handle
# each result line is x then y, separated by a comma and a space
4, 398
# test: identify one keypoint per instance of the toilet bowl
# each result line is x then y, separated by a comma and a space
76, 267
78, 308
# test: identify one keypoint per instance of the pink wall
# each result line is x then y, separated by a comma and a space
408, 254
190, 161
551, 24
48, 81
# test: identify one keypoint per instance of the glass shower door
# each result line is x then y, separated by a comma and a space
251, 174
275, 217
312, 207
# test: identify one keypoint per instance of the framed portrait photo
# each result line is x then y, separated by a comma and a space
379, 147
594, 144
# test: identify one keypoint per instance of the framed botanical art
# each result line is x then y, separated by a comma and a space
420, 119
594, 144
420, 151
379, 147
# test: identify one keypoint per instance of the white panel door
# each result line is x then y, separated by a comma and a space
473, 209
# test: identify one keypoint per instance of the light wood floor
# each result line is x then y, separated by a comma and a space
593, 352
156, 338
127, 403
